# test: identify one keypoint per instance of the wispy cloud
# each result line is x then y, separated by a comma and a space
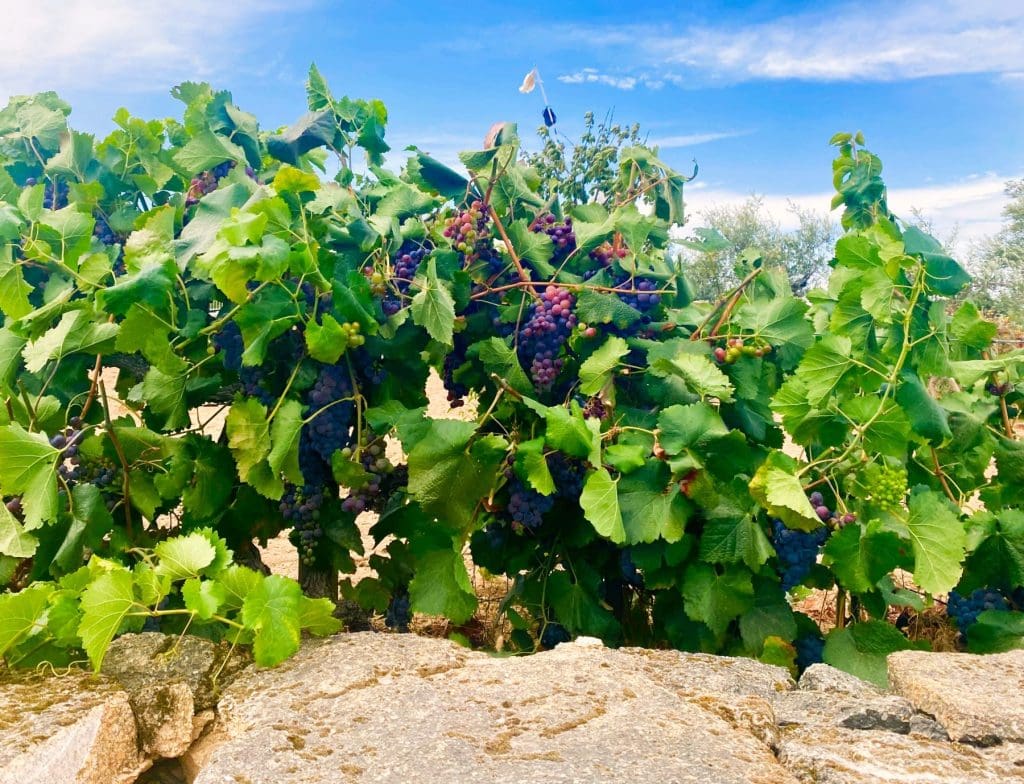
126, 44
970, 208
593, 76
693, 139
877, 42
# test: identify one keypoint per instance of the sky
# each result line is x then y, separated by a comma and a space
750, 91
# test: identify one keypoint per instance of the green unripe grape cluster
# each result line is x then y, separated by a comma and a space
889, 487
351, 335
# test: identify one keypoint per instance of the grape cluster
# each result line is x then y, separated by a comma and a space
251, 379
527, 507
103, 232
407, 263
641, 294
567, 475
369, 369
631, 576
399, 613
605, 253
453, 360
561, 234
330, 430
827, 515
301, 506
322, 302
595, 408
809, 650
998, 389
68, 441
378, 467
889, 487
469, 231
206, 182
964, 610
229, 342
541, 338
55, 195
797, 551
736, 348
553, 634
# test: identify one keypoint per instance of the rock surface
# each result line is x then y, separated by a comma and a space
72, 729
977, 699
359, 708
381, 708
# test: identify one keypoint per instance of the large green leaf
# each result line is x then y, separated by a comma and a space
863, 648
938, 540
105, 606
28, 467
272, 609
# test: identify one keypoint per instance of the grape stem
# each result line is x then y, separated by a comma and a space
728, 303
523, 275
941, 476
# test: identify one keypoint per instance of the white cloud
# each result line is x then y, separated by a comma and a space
970, 208
693, 139
878, 42
593, 76
125, 44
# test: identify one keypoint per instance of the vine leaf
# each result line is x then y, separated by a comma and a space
716, 599
824, 365
651, 505
566, 430
684, 427
248, 434
995, 631
578, 609
770, 616
442, 586
15, 541
203, 597
599, 366
272, 610
927, 417
106, 603
185, 556
22, 613
284, 435
326, 341
316, 616
781, 493
600, 503
938, 539
500, 358
28, 467
862, 650
532, 466
433, 307
76, 331
698, 373
861, 556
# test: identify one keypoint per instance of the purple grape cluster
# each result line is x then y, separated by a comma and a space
453, 360
206, 182
552, 635
527, 507
964, 610
797, 551
630, 575
541, 339
809, 650
331, 427
641, 294
594, 408
567, 474
323, 302
378, 467
399, 613
561, 234
407, 263
369, 369
606, 253
300, 506
68, 441
229, 342
826, 515
55, 195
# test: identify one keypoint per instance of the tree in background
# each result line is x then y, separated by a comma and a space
577, 173
997, 262
734, 234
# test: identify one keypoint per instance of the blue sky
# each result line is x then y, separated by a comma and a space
751, 90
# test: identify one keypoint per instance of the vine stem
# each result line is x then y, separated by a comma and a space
93, 387
120, 455
941, 475
840, 609
1003, 410
523, 274
728, 302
